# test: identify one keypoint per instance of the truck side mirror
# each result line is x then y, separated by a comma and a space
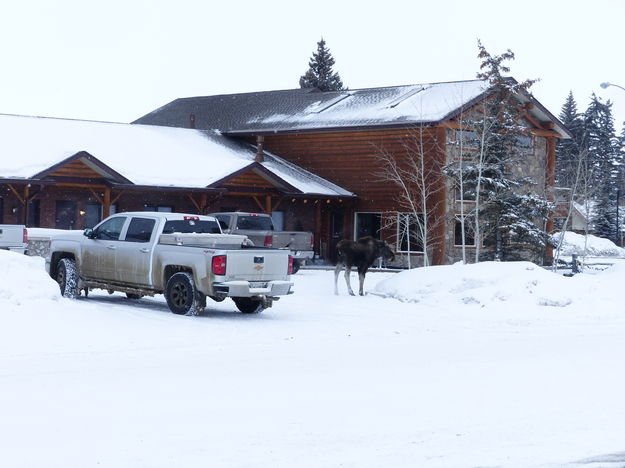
89, 233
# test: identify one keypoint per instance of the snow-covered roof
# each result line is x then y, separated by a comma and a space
311, 109
143, 154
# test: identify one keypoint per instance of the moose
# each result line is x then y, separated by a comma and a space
361, 253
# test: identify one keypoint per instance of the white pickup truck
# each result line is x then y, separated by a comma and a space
13, 237
185, 257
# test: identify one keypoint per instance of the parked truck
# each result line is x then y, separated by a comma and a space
13, 237
259, 228
185, 257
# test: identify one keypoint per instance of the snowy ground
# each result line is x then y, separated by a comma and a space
487, 365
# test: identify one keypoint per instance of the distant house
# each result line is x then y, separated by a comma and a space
340, 136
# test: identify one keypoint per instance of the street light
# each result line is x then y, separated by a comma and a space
607, 85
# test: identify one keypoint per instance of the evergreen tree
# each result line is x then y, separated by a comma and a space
508, 212
568, 151
605, 165
320, 74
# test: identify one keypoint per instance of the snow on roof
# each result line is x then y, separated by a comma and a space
306, 109
419, 103
144, 154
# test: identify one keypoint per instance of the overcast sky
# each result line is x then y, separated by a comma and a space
117, 60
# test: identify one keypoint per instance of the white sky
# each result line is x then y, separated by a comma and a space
117, 60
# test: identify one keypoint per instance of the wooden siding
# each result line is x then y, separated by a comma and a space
352, 159
76, 169
249, 179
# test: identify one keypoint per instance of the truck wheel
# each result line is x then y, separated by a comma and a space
296, 265
181, 295
67, 277
249, 305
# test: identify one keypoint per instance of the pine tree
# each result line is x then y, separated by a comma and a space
320, 74
508, 212
568, 151
605, 165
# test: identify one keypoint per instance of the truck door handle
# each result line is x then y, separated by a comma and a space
145, 250
111, 247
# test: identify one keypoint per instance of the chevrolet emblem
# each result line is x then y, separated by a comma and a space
258, 267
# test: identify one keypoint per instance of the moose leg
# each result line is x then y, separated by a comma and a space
361, 280
348, 271
337, 271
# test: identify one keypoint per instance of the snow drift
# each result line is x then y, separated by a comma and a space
590, 245
24, 282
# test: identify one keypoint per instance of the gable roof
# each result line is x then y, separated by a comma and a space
299, 110
141, 155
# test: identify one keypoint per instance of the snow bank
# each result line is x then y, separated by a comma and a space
520, 284
24, 282
588, 245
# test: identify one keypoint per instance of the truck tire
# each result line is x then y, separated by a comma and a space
181, 295
67, 277
249, 305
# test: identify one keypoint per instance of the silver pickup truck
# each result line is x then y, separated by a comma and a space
13, 237
185, 257
259, 228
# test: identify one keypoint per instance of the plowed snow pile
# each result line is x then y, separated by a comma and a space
24, 282
493, 284
588, 245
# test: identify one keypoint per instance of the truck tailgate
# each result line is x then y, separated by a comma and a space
257, 264
11, 235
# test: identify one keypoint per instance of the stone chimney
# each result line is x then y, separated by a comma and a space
260, 139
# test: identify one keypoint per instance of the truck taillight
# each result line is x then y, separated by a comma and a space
290, 271
219, 265
25, 236
268, 241
312, 242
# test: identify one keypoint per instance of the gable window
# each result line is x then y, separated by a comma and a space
409, 228
469, 231
368, 224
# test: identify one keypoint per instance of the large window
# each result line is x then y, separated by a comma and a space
159, 208
368, 224
93, 214
469, 231
409, 232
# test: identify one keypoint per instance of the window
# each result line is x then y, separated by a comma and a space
368, 224
1, 211
224, 221
33, 213
468, 139
140, 230
191, 225
469, 231
110, 229
409, 229
93, 214
255, 223
159, 208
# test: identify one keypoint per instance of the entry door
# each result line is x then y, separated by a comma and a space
65, 214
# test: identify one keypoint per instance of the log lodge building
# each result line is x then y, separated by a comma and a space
312, 159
